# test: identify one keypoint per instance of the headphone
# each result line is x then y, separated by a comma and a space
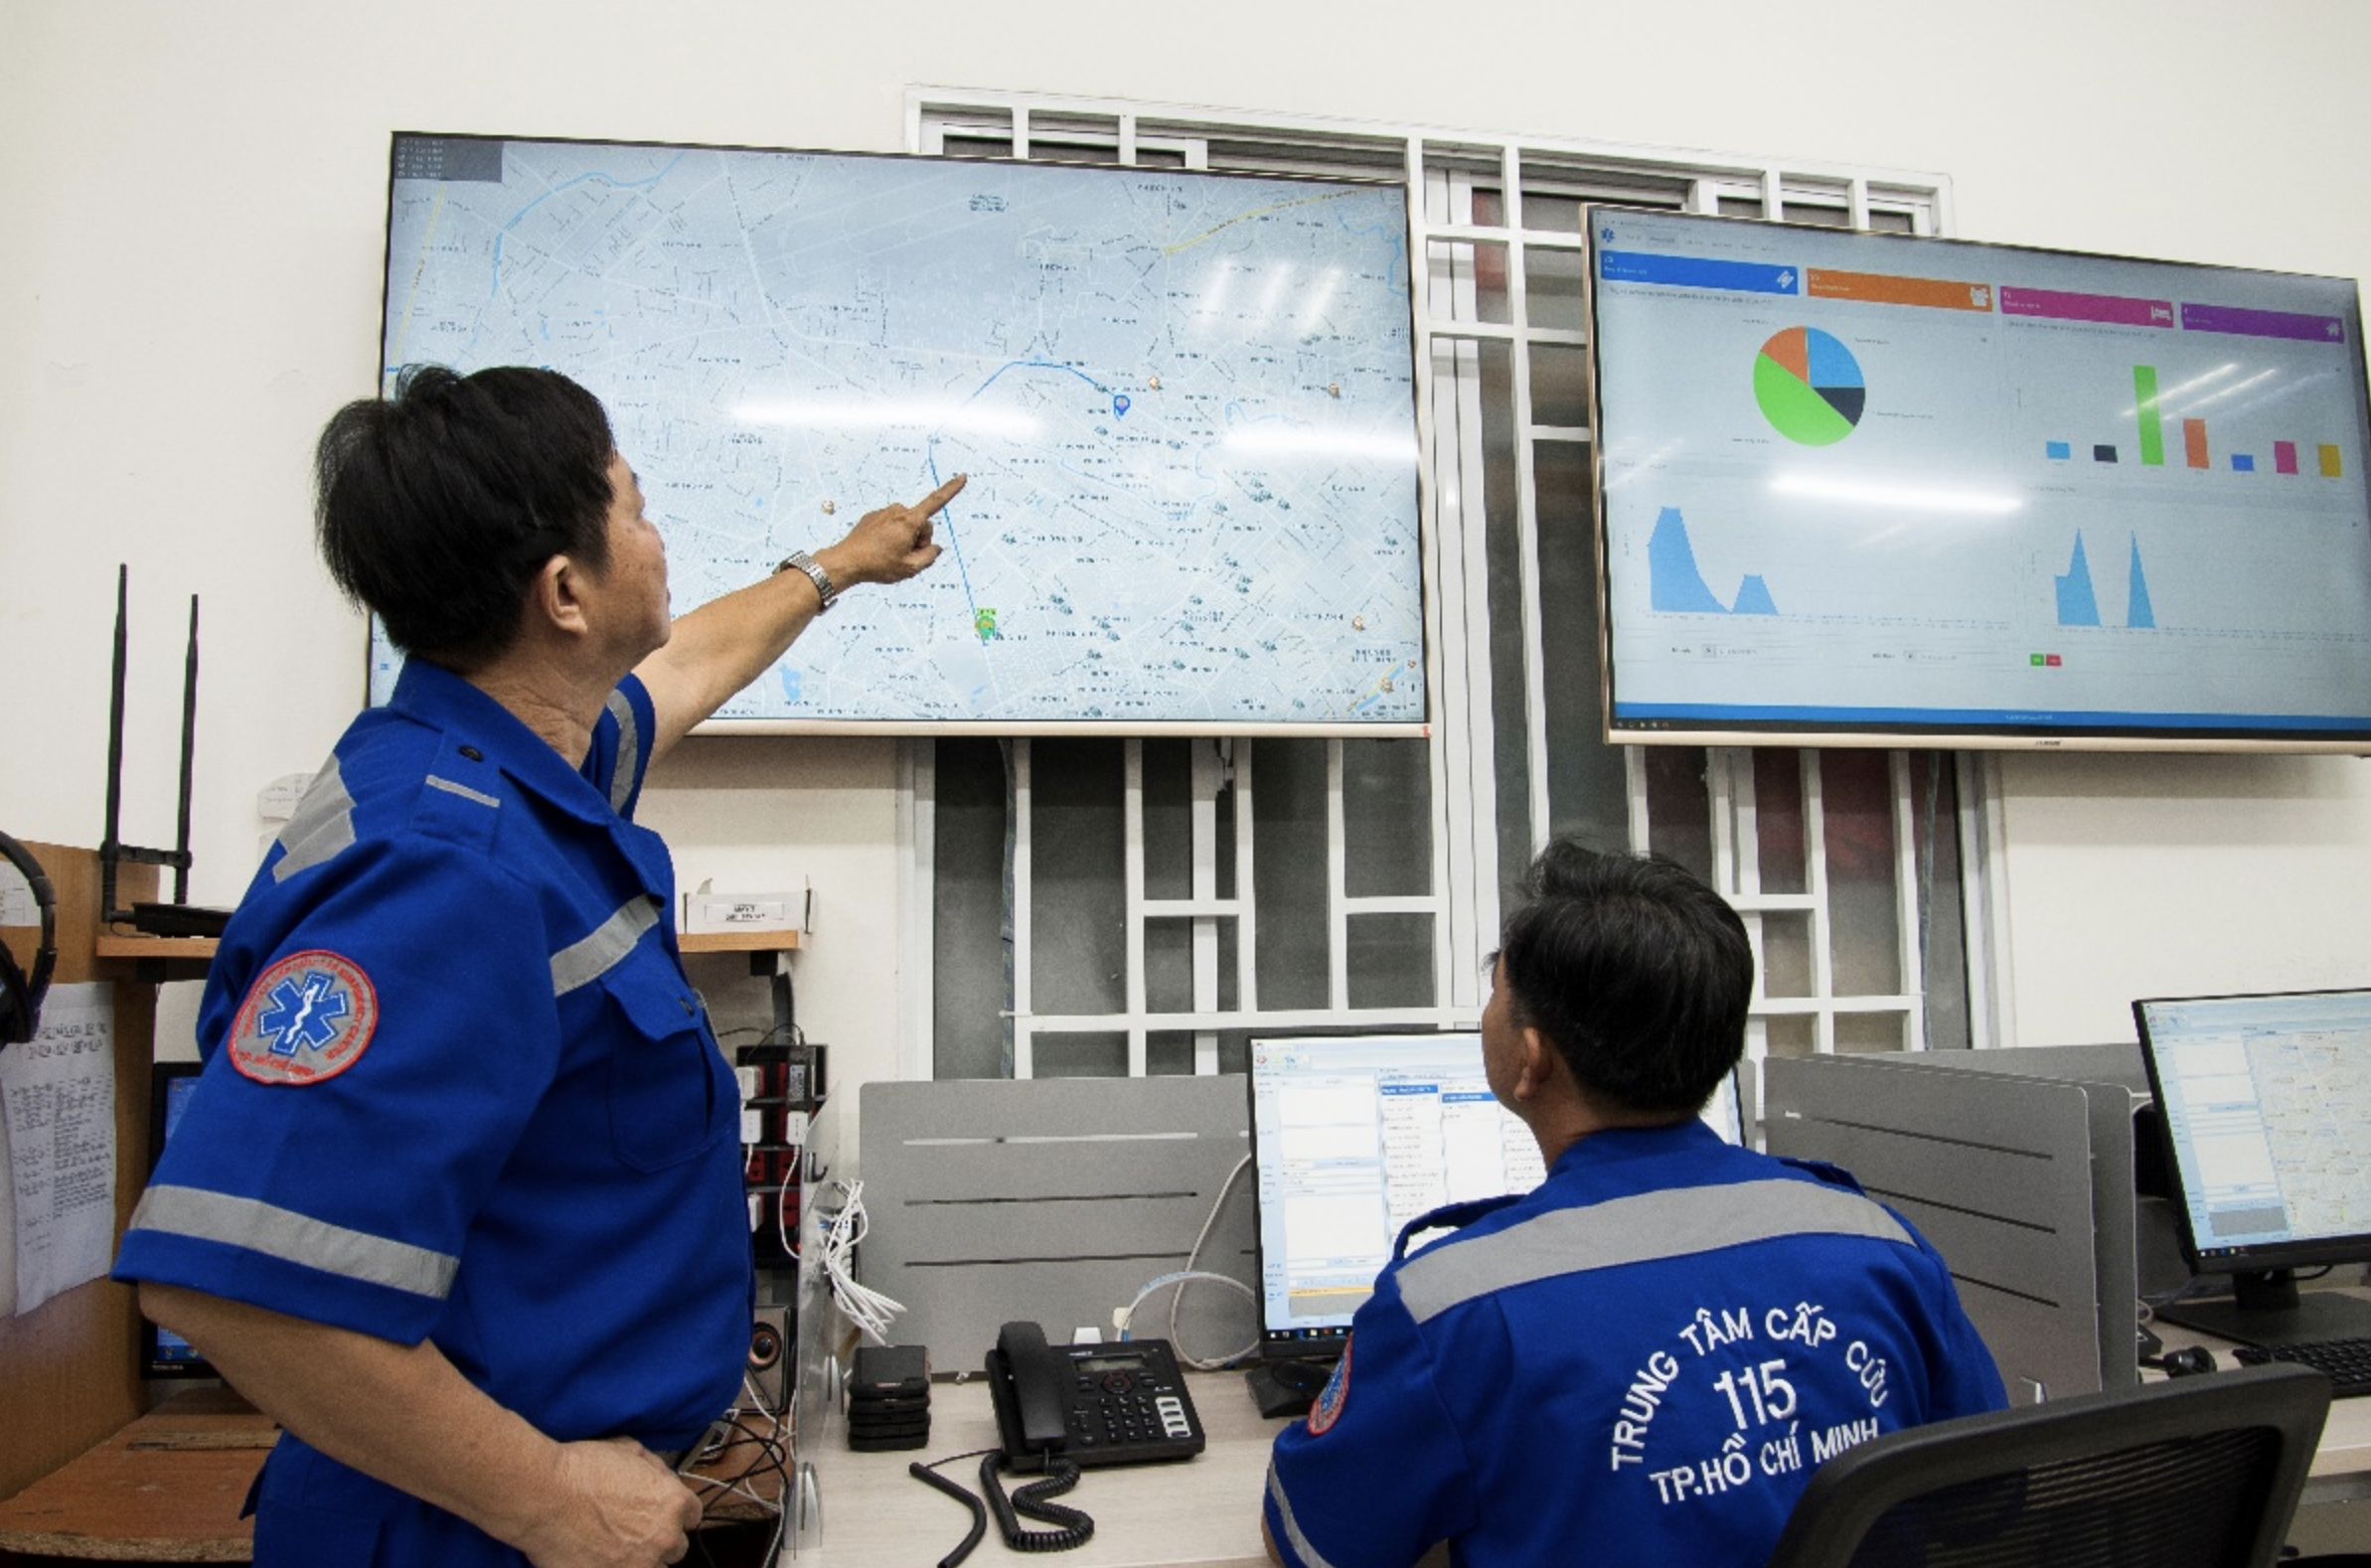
20, 996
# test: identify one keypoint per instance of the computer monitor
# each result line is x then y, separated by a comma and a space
164, 1353
2265, 1105
1354, 1136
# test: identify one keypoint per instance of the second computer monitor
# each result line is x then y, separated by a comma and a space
2266, 1104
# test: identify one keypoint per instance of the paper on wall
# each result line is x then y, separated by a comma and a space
57, 1109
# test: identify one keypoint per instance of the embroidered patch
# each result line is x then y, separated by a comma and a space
307, 1017
1332, 1396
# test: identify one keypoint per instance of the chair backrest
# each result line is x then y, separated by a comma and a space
2199, 1470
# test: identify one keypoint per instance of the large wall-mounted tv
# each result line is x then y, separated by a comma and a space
1186, 403
1861, 488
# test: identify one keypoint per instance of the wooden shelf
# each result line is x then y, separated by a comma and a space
156, 958
740, 942
200, 948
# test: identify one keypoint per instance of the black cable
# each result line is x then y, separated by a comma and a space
1071, 1528
927, 1472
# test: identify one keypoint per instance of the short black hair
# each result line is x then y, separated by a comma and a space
1637, 972
437, 506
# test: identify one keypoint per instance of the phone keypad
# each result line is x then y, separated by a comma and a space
1120, 1411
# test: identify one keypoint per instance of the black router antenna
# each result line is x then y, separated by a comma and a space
178, 918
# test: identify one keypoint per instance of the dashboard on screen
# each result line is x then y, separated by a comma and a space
1859, 485
1185, 401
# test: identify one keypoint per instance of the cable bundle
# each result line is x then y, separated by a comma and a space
871, 1311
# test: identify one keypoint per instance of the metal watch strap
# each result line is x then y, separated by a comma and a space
800, 561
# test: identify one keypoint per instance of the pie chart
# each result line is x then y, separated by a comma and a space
1810, 387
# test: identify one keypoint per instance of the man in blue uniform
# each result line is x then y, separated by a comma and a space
1641, 1360
459, 1199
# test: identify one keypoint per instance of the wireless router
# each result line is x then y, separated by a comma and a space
180, 917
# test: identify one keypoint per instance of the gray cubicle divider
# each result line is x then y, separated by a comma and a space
2018, 1165
1056, 1200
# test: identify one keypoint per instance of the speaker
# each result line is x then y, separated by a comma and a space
769, 1359
21, 994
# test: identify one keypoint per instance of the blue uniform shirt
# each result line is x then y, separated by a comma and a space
456, 1086
1640, 1361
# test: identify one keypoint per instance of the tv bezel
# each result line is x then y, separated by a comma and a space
1972, 735
1429, 610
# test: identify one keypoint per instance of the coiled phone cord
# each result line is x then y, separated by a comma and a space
1073, 1528
922, 1472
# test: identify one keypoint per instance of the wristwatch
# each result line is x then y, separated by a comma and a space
825, 588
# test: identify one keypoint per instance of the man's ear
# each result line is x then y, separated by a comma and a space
554, 599
1541, 1064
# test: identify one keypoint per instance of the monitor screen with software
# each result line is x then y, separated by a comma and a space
1353, 1137
2265, 1105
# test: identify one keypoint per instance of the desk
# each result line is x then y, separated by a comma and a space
168, 1488
1203, 1511
2341, 1471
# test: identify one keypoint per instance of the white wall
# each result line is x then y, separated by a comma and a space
190, 239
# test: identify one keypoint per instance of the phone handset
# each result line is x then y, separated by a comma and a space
1027, 1390
1026, 1383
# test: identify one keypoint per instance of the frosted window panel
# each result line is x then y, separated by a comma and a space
1864, 925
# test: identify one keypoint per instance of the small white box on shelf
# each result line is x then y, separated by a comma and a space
705, 911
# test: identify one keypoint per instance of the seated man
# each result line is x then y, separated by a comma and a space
1641, 1360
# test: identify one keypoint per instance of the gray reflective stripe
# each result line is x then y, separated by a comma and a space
1291, 1526
1641, 1229
462, 790
582, 963
295, 1238
629, 751
321, 824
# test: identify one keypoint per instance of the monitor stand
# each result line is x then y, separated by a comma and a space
2266, 1309
1287, 1388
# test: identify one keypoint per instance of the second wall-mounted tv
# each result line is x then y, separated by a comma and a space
1184, 401
1870, 488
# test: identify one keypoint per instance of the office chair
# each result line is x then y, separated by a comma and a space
2202, 1473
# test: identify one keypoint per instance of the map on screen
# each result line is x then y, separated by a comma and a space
1862, 483
1184, 402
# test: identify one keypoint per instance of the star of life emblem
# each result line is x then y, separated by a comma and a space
307, 1017
1336, 1393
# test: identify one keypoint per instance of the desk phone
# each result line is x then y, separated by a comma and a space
1096, 1404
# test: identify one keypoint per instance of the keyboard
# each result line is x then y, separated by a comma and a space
2345, 1362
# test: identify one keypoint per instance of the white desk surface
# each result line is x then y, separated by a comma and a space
1205, 1511
2341, 1462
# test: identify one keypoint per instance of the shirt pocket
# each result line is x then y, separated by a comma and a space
666, 1105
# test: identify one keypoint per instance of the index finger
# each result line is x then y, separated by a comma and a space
930, 504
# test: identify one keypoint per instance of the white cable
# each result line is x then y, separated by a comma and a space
783, 1203
1123, 1315
1122, 1318
871, 1311
1196, 1251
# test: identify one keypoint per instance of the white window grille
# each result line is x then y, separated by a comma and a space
1146, 908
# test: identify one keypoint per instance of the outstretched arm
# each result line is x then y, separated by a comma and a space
726, 643
404, 1415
